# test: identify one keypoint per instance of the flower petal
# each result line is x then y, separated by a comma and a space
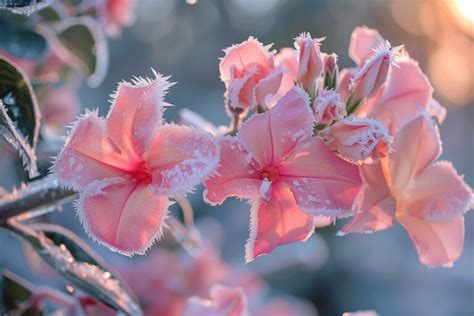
363, 41
247, 53
406, 93
268, 86
180, 157
236, 175
438, 193
377, 210
136, 111
89, 155
225, 301
276, 222
323, 183
438, 243
271, 136
123, 215
415, 147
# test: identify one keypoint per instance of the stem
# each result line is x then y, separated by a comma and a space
235, 123
188, 238
38, 194
187, 209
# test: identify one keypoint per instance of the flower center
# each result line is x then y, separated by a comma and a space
270, 173
142, 173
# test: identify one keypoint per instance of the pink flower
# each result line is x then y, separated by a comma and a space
287, 59
117, 14
225, 301
362, 44
126, 165
249, 74
177, 276
427, 198
287, 175
368, 79
59, 105
406, 93
360, 138
310, 62
328, 107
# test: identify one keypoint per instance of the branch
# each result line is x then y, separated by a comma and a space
42, 193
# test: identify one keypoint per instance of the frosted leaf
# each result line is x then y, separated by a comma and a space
10, 133
26, 7
77, 263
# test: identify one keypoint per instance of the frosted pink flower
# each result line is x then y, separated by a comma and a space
117, 14
360, 138
328, 107
224, 301
406, 93
287, 59
177, 276
362, 44
427, 198
126, 165
287, 175
310, 62
368, 79
249, 74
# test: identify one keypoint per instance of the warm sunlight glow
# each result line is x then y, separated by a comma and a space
466, 9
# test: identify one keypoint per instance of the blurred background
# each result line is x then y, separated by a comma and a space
379, 271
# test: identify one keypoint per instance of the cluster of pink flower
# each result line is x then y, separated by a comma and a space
318, 146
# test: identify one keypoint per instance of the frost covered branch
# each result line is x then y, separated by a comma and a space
38, 194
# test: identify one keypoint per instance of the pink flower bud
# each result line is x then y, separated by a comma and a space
249, 74
372, 75
310, 63
330, 70
344, 83
360, 138
328, 107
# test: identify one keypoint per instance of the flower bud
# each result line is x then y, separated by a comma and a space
249, 74
344, 83
310, 62
328, 107
372, 75
330, 71
360, 138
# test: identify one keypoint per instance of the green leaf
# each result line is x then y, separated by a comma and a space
19, 114
24, 6
21, 42
86, 43
19, 100
14, 291
77, 263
